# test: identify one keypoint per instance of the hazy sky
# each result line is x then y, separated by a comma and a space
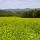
19, 4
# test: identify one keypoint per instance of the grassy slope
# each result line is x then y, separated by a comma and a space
14, 28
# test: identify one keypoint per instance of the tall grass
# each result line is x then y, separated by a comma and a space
13, 28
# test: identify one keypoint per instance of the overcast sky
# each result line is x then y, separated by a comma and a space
9, 4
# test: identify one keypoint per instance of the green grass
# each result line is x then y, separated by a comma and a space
14, 28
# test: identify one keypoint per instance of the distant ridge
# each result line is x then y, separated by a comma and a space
27, 9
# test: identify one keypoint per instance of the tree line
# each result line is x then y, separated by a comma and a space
31, 14
34, 13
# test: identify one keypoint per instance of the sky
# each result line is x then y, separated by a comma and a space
14, 4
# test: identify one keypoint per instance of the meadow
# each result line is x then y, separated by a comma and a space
15, 28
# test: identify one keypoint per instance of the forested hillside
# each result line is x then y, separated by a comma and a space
24, 13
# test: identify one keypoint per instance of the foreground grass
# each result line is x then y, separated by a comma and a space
14, 28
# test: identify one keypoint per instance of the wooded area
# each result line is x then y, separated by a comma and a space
34, 13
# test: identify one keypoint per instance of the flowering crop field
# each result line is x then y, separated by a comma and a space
14, 28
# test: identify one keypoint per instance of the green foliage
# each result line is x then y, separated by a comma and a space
31, 14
